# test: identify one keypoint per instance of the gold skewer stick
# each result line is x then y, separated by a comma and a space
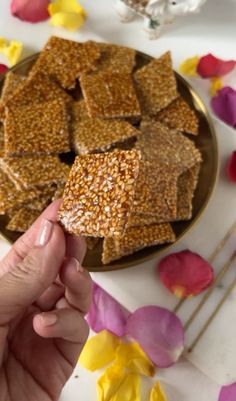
208, 322
216, 251
218, 278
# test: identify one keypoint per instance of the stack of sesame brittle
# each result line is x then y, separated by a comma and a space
135, 170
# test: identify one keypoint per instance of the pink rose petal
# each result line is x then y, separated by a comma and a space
106, 313
3, 68
30, 10
231, 167
185, 273
228, 393
210, 66
224, 105
159, 332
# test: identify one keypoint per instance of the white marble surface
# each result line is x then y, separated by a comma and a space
211, 30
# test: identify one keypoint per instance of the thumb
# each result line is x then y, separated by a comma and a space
27, 280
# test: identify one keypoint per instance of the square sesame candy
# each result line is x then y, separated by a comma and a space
99, 193
136, 238
159, 143
180, 116
156, 191
11, 83
22, 219
110, 95
116, 58
187, 183
65, 60
37, 129
28, 172
156, 84
137, 220
89, 135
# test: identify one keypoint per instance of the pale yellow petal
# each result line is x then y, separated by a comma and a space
13, 51
3, 43
118, 385
70, 21
132, 356
157, 393
99, 350
189, 66
67, 6
216, 85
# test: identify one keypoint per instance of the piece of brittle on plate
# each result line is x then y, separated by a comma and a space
11, 83
116, 58
180, 116
136, 238
156, 84
22, 219
187, 183
98, 196
28, 172
110, 95
65, 60
90, 135
40, 128
137, 220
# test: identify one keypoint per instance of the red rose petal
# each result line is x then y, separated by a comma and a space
185, 273
228, 393
224, 105
30, 10
231, 167
3, 68
210, 66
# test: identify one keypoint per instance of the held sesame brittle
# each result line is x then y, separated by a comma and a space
99, 193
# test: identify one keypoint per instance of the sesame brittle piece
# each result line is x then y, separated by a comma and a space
159, 143
187, 184
89, 135
156, 84
110, 95
99, 193
28, 172
11, 83
22, 219
137, 220
37, 129
136, 238
180, 116
116, 58
65, 60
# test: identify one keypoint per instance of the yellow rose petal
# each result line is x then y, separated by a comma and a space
67, 13
132, 356
116, 385
13, 51
189, 66
216, 85
157, 393
99, 350
3, 43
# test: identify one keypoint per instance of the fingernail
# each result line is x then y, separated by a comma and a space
45, 232
48, 319
77, 265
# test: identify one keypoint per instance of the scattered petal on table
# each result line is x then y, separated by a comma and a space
117, 385
3, 43
106, 313
189, 66
157, 393
30, 11
11, 50
231, 167
3, 68
131, 356
210, 66
67, 13
99, 350
159, 332
185, 273
216, 85
228, 393
224, 105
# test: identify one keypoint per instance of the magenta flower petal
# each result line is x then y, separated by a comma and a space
3, 68
159, 332
185, 273
210, 66
224, 105
228, 393
231, 167
106, 313
30, 10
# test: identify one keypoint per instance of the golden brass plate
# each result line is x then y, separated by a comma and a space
206, 143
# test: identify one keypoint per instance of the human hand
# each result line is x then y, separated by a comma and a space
44, 294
